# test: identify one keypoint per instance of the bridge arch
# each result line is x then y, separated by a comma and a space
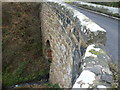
64, 40
48, 51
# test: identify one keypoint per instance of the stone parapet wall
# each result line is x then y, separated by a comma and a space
95, 72
69, 33
60, 29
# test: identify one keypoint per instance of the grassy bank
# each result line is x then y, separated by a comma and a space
22, 59
97, 9
111, 4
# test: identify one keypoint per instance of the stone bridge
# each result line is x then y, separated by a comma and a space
75, 46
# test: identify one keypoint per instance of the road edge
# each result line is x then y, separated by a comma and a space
98, 13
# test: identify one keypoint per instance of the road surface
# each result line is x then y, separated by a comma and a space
111, 27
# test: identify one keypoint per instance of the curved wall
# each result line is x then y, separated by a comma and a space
76, 45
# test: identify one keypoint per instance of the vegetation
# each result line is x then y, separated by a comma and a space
49, 85
111, 4
43, 86
22, 44
97, 9
93, 51
116, 74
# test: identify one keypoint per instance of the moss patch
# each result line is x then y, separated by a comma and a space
97, 52
94, 52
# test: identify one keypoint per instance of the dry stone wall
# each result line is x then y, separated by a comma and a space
68, 36
61, 30
95, 70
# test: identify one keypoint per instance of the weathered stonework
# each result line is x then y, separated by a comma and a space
94, 64
66, 35
62, 32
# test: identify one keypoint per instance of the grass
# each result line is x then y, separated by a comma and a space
43, 86
111, 4
22, 59
97, 9
16, 78
52, 86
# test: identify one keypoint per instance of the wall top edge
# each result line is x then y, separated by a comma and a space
84, 20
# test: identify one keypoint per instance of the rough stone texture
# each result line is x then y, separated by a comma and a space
90, 31
99, 68
69, 32
62, 32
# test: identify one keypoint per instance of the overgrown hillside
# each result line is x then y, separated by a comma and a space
22, 59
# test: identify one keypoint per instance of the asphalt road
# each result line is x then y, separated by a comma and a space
111, 27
